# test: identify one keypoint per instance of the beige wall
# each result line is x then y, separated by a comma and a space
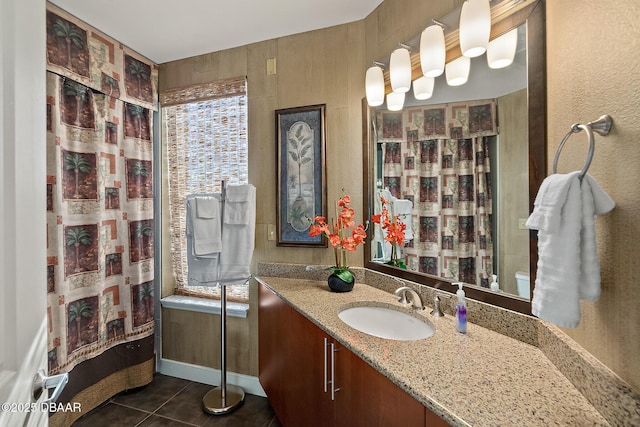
592, 69
513, 177
318, 67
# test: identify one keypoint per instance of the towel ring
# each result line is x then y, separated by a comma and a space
602, 126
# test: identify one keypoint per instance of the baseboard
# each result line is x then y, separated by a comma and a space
211, 376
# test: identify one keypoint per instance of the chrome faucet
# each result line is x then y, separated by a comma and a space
416, 301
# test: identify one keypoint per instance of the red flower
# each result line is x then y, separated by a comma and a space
338, 233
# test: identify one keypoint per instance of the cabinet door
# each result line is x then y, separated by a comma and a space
295, 369
271, 335
291, 364
368, 399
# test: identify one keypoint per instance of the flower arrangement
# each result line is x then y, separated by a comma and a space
344, 236
394, 232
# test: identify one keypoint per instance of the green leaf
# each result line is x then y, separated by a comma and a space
345, 275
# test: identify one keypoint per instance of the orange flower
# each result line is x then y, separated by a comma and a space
338, 233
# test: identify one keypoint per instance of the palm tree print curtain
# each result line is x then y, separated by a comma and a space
100, 222
438, 157
100, 284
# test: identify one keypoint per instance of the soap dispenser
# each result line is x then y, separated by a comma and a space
494, 285
461, 310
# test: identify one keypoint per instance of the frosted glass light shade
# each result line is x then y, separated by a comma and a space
457, 71
501, 50
423, 88
400, 70
475, 27
395, 101
432, 51
374, 86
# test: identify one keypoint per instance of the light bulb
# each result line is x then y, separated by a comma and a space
475, 27
400, 70
432, 51
423, 88
395, 101
501, 50
374, 86
457, 71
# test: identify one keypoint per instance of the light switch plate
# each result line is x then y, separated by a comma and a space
271, 232
522, 223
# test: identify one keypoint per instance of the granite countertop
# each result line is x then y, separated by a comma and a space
481, 378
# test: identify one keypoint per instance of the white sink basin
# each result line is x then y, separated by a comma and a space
386, 322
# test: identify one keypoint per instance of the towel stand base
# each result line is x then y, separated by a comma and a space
221, 401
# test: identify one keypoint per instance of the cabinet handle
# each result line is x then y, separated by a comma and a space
333, 372
324, 350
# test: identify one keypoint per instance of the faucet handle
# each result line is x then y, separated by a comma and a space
437, 312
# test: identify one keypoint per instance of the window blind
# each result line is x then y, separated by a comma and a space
205, 129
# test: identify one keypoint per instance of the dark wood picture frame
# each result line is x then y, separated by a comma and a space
301, 174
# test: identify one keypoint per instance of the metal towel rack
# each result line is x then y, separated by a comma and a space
602, 126
227, 397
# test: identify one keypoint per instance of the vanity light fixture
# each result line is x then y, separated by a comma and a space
501, 50
374, 85
395, 101
423, 88
400, 69
475, 27
457, 71
432, 51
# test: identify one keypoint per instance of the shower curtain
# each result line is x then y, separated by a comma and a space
100, 272
437, 156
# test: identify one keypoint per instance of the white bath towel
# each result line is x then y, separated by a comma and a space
238, 232
204, 225
568, 268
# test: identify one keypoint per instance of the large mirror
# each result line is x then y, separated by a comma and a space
462, 169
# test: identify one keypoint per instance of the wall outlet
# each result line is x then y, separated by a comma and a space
522, 223
271, 232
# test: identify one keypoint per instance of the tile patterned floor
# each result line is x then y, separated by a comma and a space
174, 402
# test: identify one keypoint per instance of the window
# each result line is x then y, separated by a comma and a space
205, 129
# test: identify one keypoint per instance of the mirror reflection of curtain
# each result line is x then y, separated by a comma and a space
438, 157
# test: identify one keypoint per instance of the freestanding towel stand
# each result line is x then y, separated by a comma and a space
228, 397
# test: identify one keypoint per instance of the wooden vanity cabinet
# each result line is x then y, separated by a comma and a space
295, 371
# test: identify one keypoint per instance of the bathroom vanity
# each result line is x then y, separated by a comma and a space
446, 379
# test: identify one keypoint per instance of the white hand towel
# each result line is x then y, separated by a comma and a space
238, 232
568, 267
548, 203
594, 202
204, 231
207, 207
237, 210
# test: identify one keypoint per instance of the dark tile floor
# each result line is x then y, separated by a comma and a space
170, 401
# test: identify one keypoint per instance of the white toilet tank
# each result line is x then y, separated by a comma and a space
522, 279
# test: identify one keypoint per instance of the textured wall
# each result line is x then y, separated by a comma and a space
319, 67
593, 69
